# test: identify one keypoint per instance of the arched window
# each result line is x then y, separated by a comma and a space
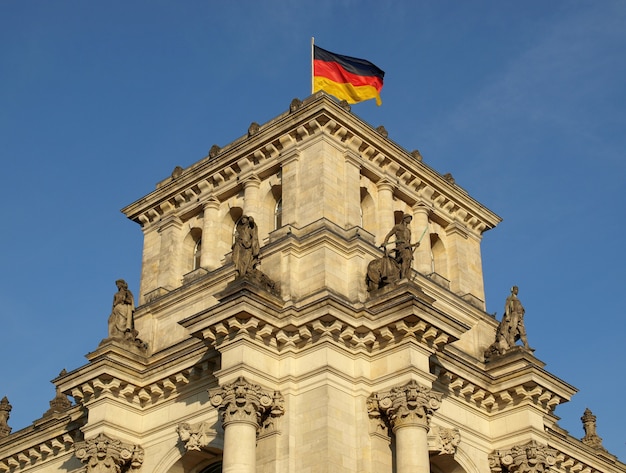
197, 252
192, 247
278, 214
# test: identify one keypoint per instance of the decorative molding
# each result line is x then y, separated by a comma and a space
104, 454
411, 404
40, 453
332, 329
244, 402
493, 400
135, 393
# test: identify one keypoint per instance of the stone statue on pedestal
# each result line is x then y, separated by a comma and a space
511, 328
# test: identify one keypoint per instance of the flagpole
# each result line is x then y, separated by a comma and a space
312, 67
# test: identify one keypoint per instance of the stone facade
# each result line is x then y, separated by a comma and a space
294, 364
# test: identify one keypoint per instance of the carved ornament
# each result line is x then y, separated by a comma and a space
242, 401
531, 457
591, 438
411, 404
443, 441
195, 436
104, 454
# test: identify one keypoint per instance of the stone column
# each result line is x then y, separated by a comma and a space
251, 200
423, 257
385, 209
407, 410
209, 257
245, 408
352, 189
290, 172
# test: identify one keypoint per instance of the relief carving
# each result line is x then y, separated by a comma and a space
195, 436
443, 441
403, 405
241, 401
104, 454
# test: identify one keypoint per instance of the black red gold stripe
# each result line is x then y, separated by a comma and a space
347, 78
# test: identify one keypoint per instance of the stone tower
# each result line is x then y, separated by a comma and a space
272, 332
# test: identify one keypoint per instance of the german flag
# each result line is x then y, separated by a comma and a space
347, 78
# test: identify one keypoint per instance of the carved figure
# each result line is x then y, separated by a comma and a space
195, 436
404, 249
121, 318
246, 246
382, 272
511, 328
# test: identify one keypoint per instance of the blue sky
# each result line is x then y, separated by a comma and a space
523, 102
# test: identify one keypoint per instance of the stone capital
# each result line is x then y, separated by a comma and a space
243, 402
531, 457
104, 454
404, 406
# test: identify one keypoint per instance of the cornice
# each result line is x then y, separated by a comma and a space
576, 457
475, 386
141, 386
34, 446
378, 156
251, 314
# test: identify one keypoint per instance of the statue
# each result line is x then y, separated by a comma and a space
121, 318
246, 246
386, 270
246, 258
404, 249
511, 328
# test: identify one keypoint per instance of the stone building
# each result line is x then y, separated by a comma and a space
273, 333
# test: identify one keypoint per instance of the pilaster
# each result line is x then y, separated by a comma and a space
169, 263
